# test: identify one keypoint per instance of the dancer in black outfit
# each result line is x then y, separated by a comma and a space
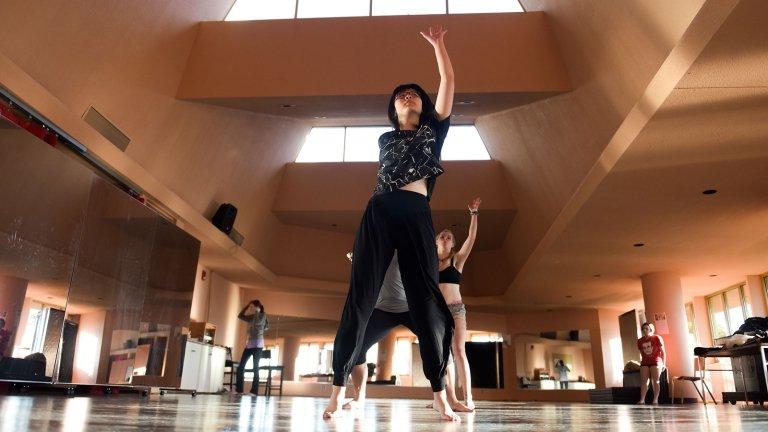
398, 217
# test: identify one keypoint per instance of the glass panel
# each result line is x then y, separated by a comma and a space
333, 8
408, 7
554, 360
464, 143
362, 143
323, 144
717, 317
483, 6
372, 355
44, 195
167, 303
244, 10
736, 315
108, 286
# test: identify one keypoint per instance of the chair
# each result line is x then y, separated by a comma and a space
268, 384
230, 367
693, 380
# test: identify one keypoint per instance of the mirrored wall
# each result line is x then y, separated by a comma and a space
304, 348
95, 287
557, 360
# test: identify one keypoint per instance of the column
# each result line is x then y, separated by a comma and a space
663, 295
12, 293
386, 357
290, 353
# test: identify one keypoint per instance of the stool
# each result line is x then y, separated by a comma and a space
693, 380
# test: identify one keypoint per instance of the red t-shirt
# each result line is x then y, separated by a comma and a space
651, 350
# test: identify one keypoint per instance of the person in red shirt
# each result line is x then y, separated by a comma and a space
653, 360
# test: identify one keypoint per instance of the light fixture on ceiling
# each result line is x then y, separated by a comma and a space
637, 245
713, 275
465, 102
710, 191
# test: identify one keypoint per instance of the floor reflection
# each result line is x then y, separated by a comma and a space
294, 414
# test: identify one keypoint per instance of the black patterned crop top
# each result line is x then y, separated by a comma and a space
406, 156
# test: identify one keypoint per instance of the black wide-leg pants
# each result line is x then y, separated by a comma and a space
400, 220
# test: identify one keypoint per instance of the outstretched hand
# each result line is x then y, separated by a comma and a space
435, 36
475, 204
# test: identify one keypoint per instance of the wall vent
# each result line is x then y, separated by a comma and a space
106, 128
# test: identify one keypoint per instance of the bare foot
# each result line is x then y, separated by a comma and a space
460, 407
335, 403
457, 406
440, 404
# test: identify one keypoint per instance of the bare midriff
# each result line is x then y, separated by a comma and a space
419, 186
451, 292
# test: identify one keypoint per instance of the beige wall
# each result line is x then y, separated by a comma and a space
547, 147
127, 62
201, 295
223, 309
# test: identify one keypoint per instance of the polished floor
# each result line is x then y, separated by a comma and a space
298, 414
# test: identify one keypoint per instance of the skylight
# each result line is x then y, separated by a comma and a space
360, 144
243, 10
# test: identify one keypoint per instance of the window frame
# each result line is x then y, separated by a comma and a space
722, 294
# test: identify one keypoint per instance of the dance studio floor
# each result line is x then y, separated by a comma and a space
234, 413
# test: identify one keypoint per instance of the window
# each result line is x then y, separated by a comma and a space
693, 339
244, 10
484, 337
360, 144
286, 9
727, 311
483, 6
402, 360
372, 355
408, 7
333, 8
765, 286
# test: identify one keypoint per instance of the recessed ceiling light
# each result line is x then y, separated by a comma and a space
465, 102
638, 244
710, 192
317, 117
287, 106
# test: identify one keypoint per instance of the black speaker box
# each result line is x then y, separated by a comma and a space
224, 218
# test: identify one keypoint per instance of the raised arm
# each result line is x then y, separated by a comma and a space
466, 248
242, 314
444, 101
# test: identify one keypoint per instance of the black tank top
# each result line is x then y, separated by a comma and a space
450, 274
